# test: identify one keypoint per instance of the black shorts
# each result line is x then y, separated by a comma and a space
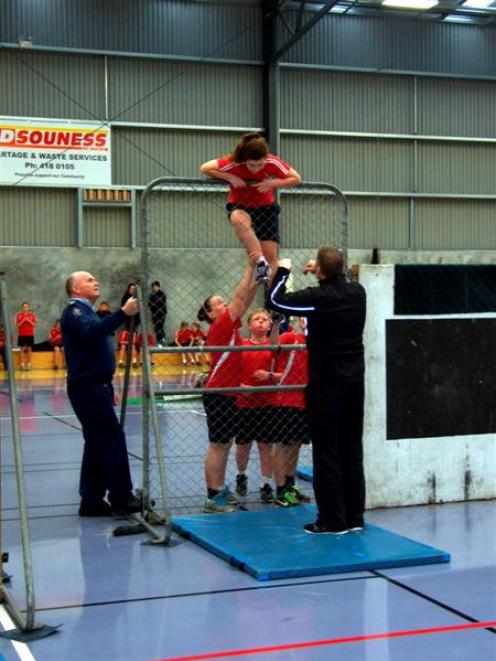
264, 220
222, 418
255, 425
291, 425
25, 341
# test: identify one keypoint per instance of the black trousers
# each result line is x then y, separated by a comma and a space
105, 464
335, 413
158, 328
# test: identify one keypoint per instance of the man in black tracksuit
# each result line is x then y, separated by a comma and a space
335, 310
90, 360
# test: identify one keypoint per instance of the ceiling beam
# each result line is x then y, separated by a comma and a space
303, 30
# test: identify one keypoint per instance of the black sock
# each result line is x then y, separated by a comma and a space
281, 490
290, 481
212, 493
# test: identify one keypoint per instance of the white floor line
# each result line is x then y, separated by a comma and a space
22, 649
73, 417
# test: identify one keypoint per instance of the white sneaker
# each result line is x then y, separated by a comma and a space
262, 271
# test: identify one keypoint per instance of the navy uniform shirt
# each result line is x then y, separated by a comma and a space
88, 349
335, 310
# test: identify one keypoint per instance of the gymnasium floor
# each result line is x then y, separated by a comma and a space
118, 599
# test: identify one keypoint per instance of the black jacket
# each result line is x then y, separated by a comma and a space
88, 349
157, 302
335, 310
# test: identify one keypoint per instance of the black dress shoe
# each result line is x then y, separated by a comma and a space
95, 509
319, 529
132, 506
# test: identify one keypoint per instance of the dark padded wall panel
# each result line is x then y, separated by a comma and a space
443, 289
440, 377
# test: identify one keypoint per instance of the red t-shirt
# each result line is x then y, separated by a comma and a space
55, 337
225, 368
124, 337
273, 168
183, 336
24, 327
251, 362
198, 335
294, 368
139, 340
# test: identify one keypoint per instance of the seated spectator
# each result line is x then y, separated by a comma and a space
199, 338
122, 342
103, 309
139, 345
55, 339
183, 338
26, 323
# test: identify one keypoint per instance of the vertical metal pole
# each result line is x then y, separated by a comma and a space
127, 372
133, 219
148, 392
27, 623
79, 219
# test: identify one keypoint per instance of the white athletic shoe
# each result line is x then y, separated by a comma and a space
262, 271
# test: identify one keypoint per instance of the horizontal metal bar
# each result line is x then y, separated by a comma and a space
130, 54
387, 136
230, 348
185, 127
102, 203
294, 191
381, 71
224, 391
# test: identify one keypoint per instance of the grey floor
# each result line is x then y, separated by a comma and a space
121, 599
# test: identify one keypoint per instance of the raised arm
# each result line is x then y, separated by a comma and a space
211, 169
243, 295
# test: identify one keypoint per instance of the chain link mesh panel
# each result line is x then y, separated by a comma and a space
207, 383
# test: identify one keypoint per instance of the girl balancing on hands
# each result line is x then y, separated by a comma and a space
253, 174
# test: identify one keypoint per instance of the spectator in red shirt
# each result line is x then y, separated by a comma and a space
122, 342
199, 338
184, 338
26, 324
55, 339
225, 370
290, 418
139, 345
253, 174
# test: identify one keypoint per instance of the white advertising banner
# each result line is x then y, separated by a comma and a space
56, 152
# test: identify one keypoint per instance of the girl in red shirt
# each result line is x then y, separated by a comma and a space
122, 342
55, 339
26, 323
225, 369
255, 409
184, 338
139, 345
253, 174
199, 338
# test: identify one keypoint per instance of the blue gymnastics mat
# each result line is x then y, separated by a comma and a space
272, 544
305, 473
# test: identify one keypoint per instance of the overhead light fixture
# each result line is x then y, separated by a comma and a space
477, 4
410, 4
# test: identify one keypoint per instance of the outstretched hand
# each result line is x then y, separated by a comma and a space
130, 307
309, 267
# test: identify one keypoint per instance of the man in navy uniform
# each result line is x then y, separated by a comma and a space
90, 363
